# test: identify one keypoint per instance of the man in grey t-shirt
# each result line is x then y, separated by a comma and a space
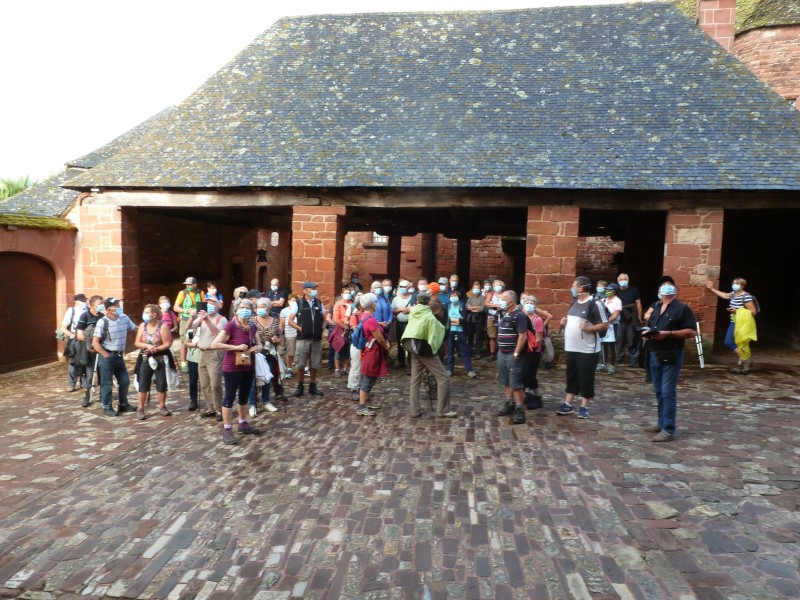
584, 321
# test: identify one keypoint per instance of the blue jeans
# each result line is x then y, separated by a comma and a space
113, 366
458, 338
264, 393
665, 384
730, 342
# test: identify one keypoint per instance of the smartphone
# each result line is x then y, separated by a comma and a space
202, 306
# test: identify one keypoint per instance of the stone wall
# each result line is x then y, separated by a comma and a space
317, 249
718, 18
597, 257
773, 54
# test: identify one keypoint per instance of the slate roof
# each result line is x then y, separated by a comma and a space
44, 199
772, 13
629, 96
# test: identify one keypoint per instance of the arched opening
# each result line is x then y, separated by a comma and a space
27, 306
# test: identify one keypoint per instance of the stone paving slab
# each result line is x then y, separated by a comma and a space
330, 505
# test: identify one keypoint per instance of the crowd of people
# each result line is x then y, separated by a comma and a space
270, 338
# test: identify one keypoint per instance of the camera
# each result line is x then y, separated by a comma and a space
648, 331
190, 334
242, 295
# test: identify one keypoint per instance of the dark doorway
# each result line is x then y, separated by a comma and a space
623, 241
761, 246
29, 323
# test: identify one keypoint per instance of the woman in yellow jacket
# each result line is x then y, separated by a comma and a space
742, 328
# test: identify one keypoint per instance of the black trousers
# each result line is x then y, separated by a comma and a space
476, 333
402, 354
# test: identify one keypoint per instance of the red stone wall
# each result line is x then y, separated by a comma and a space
552, 251
596, 256
487, 258
692, 255
317, 248
773, 55
718, 18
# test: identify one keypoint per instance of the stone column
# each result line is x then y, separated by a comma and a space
718, 19
110, 254
551, 255
463, 260
318, 249
692, 255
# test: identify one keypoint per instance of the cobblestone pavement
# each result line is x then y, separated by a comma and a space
330, 505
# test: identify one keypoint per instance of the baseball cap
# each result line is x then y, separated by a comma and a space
190, 281
79, 298
109, 302
308, 285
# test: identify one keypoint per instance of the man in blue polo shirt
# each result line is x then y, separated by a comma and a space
110, 337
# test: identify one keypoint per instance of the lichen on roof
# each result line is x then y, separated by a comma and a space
771, 13
33, 222
624, 96
45, 199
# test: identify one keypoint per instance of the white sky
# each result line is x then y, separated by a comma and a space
78, 74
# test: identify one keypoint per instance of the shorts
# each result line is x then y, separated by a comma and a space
509, 370
491, 329
580, 373
184, 325
291, 345
145, 375
308, 352
367, 383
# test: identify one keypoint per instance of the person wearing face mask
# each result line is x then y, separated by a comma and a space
239, 293
613, 307
109, 339
457, 313
629, 320
277, 296
493, 308
239, 340
169, 317
186, 307
153, 340
401, 308
453, 286
530, 368
355, 282
475, 321
289, 327
311, 325
207, 326
671, 323
211, 290
84, 331
444, 291
76, 369
354, 376
512, 342
383, 307
584, 322
739, 298
341, 317
269, 336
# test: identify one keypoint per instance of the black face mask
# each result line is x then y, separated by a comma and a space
242, 294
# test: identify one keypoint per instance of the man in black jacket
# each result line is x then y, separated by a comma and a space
311, 320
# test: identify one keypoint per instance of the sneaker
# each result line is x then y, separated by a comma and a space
123, 408
208, 414
450, 414
663, 436
193, 405
612, 370
219, 417
247, 429
600, 368
289, 374
491, 358
253, 411
365, 411
184, 367
653, 429
566, 409
417, 415
373, 405
519, 416
165, 412
300, 391
746, 364
532, 401
583, 412
506, 409
140, 415
86, 401
228, 437
313, 391
449, 373
109, 412
472, 375
307, 371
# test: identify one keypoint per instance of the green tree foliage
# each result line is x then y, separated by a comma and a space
9, 187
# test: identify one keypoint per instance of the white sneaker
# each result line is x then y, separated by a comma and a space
271, 407
253, 411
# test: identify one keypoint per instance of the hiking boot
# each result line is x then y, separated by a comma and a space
313, 391
612, 370
300, 391
208, 414
600, 367
109, 412
746, 364
219, 417
583, 412
247, 429
228, 437
165, 412
140, 415
86, 400
738, 368
532, 401
364, 411
193, 405
565, 409
519, 416
653, 429
373, 405
491, 358
289, 374
506, 409
123, 408
663, 436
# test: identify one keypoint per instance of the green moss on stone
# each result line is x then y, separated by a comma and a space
31, 222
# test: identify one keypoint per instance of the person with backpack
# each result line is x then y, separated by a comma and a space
613, 307
311, 324
530, 368
186, 308
739, 298
354, 375
109, 341
76, 372
422, 339
368, 335
585, 321
84, 331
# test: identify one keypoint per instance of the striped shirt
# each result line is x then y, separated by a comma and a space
739, 302
117, 332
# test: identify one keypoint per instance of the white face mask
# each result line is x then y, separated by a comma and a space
164, 306
423, 287
212, 291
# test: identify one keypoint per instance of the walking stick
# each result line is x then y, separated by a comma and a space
698, 340
94, 376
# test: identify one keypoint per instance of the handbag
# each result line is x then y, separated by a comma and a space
243, 359
548, 352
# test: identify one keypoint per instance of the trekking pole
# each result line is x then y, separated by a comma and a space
94, 376
698, 340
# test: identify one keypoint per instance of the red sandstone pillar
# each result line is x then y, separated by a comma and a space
718, 19
110, 254
318, 249
551, 255
692, 255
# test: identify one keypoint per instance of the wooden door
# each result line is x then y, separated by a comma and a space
27, 312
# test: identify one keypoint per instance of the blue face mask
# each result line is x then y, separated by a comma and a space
313, 293
354, 280
454, 300
574, 292
623, 284
498, 288
403, 290
667, 290
503, 304
146, 317
529, 308
244, 313
378, 291
346, 296
101, 308
736, 287
274, 288
211, 309
453, 285
601, 289
387, 289
261, 312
